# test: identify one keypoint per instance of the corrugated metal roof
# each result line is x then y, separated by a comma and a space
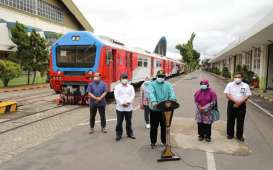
78, 15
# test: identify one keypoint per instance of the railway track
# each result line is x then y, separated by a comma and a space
13, 124
28, 96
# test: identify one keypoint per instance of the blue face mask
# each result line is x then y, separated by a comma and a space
203, 87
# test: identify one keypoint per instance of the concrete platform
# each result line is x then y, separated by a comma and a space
76, 149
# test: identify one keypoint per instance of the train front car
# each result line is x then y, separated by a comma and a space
74, 58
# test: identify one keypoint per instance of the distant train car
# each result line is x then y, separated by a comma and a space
76, 56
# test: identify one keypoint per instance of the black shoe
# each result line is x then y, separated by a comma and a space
229, 137
131, 136
103, 130
118, 138
200, 138
242, 139
208, 139
152, 145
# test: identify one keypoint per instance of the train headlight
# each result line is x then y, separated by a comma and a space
59, 73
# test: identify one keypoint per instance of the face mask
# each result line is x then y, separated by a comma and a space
96, 78
124, 81
204, 87
238, 80
160, 80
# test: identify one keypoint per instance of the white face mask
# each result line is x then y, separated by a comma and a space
203, 87
96, 78
124, 81
238, 80
160, 80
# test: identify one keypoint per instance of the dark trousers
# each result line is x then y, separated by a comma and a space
237, 114
147, 114
204, 130
93, 112
120, 117
156, 118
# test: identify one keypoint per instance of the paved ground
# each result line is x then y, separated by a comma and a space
76, 149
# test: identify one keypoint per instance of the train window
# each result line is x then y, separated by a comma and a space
76, 56
120, 61
158, 63
139, 62
109, 56
145, 62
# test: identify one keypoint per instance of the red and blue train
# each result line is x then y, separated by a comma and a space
76, 56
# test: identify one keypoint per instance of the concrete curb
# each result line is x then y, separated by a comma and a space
27, 87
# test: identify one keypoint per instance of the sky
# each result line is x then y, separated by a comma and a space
141, 23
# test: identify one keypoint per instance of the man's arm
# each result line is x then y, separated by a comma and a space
92, 96
230, 97
103, 94
89, 89
132, 95
171, 94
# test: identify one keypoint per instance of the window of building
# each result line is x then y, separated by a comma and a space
248, 60
37, 7
257, 56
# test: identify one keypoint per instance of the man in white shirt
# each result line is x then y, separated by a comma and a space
124, 94
237, 93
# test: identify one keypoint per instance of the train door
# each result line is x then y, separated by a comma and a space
109, 66
129, 64
164, 66
115, 64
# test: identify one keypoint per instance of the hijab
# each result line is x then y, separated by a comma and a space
203, 97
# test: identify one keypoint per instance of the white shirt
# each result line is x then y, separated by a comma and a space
124, 94
237, 91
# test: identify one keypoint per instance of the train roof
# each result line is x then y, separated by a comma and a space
113, 43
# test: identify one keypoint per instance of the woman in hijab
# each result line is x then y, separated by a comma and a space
206, 102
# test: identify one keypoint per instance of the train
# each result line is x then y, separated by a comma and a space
76, 56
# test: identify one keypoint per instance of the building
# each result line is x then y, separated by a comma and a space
254, 50
48, 17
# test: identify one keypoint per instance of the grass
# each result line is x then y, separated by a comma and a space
22, 80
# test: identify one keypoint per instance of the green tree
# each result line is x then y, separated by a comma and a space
191, 57
8, 71
23, 54
39, 54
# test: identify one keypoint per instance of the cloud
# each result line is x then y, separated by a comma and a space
141, 23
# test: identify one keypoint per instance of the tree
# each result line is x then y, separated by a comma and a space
23, 54
191, 57
8, 71
39, 54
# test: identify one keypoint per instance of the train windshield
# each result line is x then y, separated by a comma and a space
76, 56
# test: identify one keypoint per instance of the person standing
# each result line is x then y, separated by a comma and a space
206, 101
124, 94
144, 101
159, 90
97, 91
237, 93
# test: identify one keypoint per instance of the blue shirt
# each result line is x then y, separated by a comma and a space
97, 89
159, 92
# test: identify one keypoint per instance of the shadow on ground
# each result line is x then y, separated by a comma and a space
184, 135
